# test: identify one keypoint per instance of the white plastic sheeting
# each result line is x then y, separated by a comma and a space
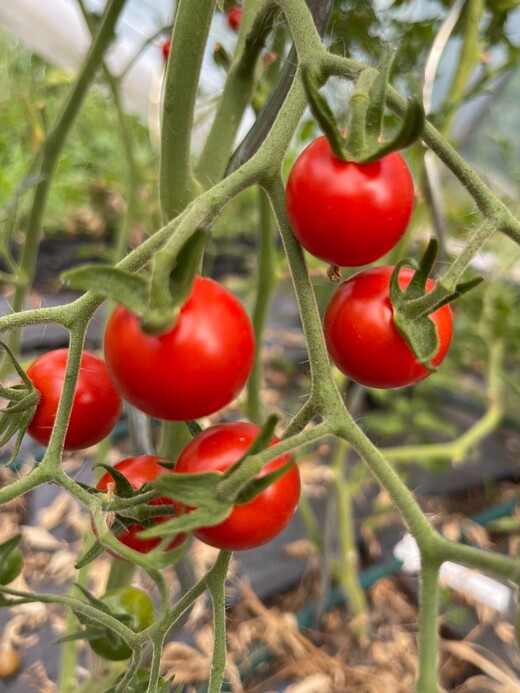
56, 31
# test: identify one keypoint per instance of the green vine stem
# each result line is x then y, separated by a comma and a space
177, 184
468, 58
216, 584
348, 564
265, 286
456, 450
428, 614
238, 92
52, 147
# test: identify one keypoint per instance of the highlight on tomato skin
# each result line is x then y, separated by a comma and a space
362, 339
194, 369
138, 471
96, 407
260, 520
344, 213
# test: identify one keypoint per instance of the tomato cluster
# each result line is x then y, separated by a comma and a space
352, 214
138, 471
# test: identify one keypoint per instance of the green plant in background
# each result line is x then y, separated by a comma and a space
155, 281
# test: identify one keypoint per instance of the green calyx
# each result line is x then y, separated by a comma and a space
156, 299
413, 306
363, 142
23, 399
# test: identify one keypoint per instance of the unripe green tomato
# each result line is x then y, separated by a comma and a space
11, 566
135, 609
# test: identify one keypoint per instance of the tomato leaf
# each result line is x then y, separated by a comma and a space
94, 601
116, 284
92, 632
259, 484
11, 559
90, 555
261, 442
322, 112
208, 516
192, 489
124, 488
173, 274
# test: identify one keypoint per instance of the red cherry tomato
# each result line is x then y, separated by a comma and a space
362, 338
166, 49
234, 17
138, 470
193, 370
344, 213
258, 521
96, 406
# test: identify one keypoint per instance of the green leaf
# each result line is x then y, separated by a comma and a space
172, 279
377, 99
200, 517
90, 555
194, 489
322, 112
94, 601
259, 484
261, 442
124, 488
11, 559
118, 285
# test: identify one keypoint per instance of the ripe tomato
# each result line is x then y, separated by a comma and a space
344, 213
96, 406
193, 370
138, 470
166, 49
234, 17
258, 521
135, 609
362, 338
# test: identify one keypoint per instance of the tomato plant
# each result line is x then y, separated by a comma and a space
362, 338
96, 406
138, 471
345, 213
234, 17
135, 609
258, 521
192, 370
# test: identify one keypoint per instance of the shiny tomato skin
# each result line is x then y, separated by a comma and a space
234, 17
139, 470
345, 213
96, 406
194, 369
254, 523
361, 336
